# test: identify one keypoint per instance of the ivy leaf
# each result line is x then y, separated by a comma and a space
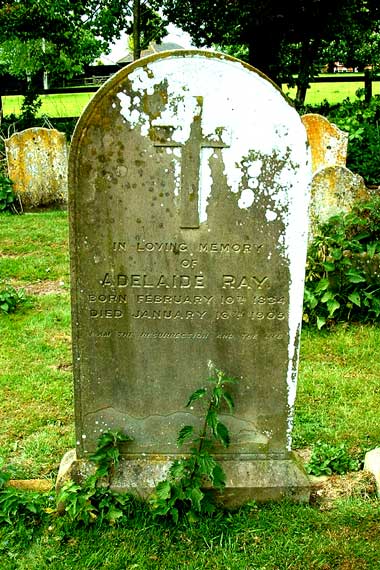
355, 277
322, 285
321, 321
355, 298
332, 306
328, 296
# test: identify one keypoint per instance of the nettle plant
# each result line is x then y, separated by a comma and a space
193, 479
343, 268
93, 500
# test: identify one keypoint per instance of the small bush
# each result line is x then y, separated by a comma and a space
10, 299
7, 195
343, 268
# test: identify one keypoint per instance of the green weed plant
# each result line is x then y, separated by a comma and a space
18, 506
328, 459
192, 480
7, 195
93, 501
343, 269
11, 299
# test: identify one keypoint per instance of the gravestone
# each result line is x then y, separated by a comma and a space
334, 191
328, 144
188, 202
37, 165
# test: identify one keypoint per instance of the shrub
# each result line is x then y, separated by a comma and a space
7, 195
343, 268
10, 299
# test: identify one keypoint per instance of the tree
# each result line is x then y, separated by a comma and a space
62, 36
281, 38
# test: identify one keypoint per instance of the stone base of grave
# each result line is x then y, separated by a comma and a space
258, 480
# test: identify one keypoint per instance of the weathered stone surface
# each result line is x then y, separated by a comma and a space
333, 191
328, 143
372, 464
188, 185
37, 165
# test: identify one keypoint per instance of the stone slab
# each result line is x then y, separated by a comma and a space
328, 143
37, 165
246, 479
189, 189
334, 191
372, 464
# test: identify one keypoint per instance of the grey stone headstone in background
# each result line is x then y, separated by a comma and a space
189, 184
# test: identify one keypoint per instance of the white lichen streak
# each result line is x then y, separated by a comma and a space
256, 122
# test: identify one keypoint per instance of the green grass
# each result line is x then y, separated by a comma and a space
339, 390
55, 105
338, 400
271, 537
31, 252
332, 92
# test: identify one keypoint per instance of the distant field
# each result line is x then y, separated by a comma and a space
57, 105
72, 104
332, 92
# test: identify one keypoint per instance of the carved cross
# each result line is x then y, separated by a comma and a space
191, 162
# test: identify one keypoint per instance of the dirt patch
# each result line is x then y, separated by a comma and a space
326, 490
45, 288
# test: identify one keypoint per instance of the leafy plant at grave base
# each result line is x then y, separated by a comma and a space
7, 195
328, 459
19, 506
189, 487
11, 299
93, 500
343, 268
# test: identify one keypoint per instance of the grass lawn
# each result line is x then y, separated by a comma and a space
55, 105
338, 401
72, 104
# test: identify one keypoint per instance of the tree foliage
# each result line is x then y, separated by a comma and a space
61, 36
280, 38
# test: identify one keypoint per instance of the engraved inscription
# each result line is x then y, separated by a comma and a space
153, 282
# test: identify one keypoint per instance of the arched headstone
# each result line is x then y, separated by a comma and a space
189, 181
